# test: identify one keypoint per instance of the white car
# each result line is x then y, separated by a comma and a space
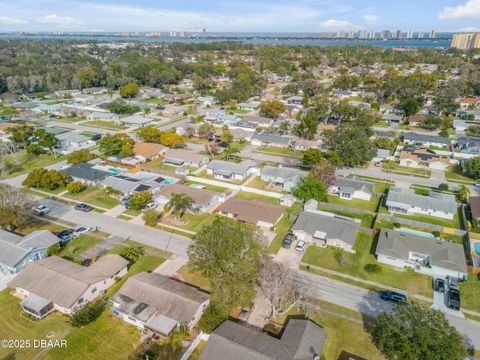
301, 245
150, 206
82, 230
42, 209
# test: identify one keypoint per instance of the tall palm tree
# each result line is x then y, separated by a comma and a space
179, 204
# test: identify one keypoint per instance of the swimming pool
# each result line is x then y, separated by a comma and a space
418, 233
115, 171
168, 181
476, 246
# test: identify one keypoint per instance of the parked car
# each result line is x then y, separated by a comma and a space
66, 235
454, 299
42, 209
124, 200
82, 230
96, 137
287, 242
301, 245
150, 206
83, 207
392, 296
439, 285
244, 313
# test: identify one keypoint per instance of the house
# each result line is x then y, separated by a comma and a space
182, 157
360, 104
351, 188
222, 118
304, 144
178, 97
468, 145
86, 173
203, 200
474, 204
382, 154
295, 100
253, 212
386, 108
144, 151
205, 100
158, 303
282, 177
325, 230
273, 140
102, 116
423, 254
470, 103
425, 140
252, 105
415, 120
54, 283
259, 121
131, 183
406, 201
345, 94
424, 158
231, 171
16, 251
392, 118
135, 120
301, 340
71, 141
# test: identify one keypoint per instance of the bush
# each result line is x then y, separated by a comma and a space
87, 314
139, 200
80, 156
436, 233
150, 217
443, 187
372, 268
396, 225
75, 187
213, 316
54, 249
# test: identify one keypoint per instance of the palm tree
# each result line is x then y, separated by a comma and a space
179, 204
132, 253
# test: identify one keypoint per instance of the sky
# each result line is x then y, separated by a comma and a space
239, 15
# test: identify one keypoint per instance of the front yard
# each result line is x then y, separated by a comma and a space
454, 174
111, 125
278, 151
258, 183
192, 222
95, 197
353, 264
78, 246
454, 223
393, 167
470, 292
252, 196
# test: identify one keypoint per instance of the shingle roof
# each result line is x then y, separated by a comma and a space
334, 228
474, 202
283, 173
434, 201
147, 149
411, 136
252, 211
201, 197
348, 185
442, 253
301, 340
272, 138
185, 155
85, 171
227, 167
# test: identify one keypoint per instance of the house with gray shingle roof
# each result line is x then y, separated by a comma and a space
86, 173
301, 340
325, 230
351, 188
425, 140
423, 254
269, 139
226, 170
284, 177
406, 201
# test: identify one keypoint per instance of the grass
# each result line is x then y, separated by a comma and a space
258, 183
70, 119
95, 197
252, 196
39, 225
371, 205
198, 350
354, 266
78, 246
283, 227
30, 162
279, 151
454, 174
366, 219
105, 124
470, 291
381, 187
193, 222
454, 223
215, 188
194, 278
395, 168
132, 212
15, 324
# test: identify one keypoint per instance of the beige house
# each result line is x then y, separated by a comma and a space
145, 151
424, 158
253, 212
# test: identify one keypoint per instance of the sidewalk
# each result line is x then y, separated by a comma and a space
171, 265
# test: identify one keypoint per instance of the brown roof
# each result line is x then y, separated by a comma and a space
200, 197
470, 100
428, 156
6, 126
475, 206
326, 127
415, 118
147, 149
252, 211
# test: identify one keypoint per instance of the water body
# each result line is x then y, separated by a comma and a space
443, 40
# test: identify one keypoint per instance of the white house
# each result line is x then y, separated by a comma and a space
352, 188
225, 170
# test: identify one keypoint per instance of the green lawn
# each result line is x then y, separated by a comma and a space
105, 124
258, 183
371, 205
15, 324
219, 189
354, 263
78, 245
367, 219
395, 168
192, 222
132, 212
283, 227
470, 291
30, 162
95, 197
252, 196
454, 173
455, 223
70, 119
279, 151
194, 278
39, 225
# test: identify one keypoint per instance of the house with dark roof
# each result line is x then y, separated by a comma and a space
55, 283
324, 230
253, 212
301, 340
269, 139
226, 170
131, 183
425, 140
158, 303
424, 158
351, 188
474, 204
16, 251
423, 254
282, 177
86, 173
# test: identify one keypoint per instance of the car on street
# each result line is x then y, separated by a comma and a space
392, 296
301, 245
66, 235
287, 241
150, 206
439, 285
82, 230
42, 209
96, 137
83, 207
454, 299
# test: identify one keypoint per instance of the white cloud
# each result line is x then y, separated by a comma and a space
12, 21
372, 19
60, 21
469, 29
333, 24
471, 9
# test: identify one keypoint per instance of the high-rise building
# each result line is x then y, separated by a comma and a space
173, 33
410, 34
351, 34
340, 34
466, 41
362, 34
384, 34
421, 34
398, 34
372, 34
432, 34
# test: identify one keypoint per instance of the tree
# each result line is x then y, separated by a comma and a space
432, 122
15, 207
150, 217
171, 139
226, 136
150, 134
179, 204
119, 106
75, 187
473, 131
132, 253
445, 98
228, 253
410, 106
87, 314
20, 135
206, 130
213, 316
310, 188
129, 90
211, 147
272, 108
46, 179
115, 144
278, 286
472, 167
463, 193
324, 172
80, 156
139, 200
307, 126
415, 332
312, 157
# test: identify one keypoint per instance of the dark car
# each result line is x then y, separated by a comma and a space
454, 299
124, 201
439, 285
392, 296
96, 137
287, 242
83, 207
66, 235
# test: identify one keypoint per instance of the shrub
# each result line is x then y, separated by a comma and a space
436, 233
339, 256
213, 316
150, 217
396, 225
443, 187
75, 187
372, 268
87, 314
139, 200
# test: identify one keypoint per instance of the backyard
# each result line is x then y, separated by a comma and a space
278, 151
283, 227
258, 183
371, 205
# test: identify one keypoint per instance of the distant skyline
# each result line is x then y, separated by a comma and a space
239, 15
